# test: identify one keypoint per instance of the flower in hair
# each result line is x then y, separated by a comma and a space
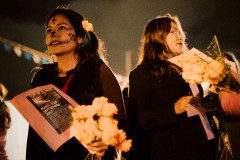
3, 92
87, 26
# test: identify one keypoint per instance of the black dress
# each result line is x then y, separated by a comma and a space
93, 79
157, 132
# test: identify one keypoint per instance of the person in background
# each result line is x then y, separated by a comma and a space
5, 122
82, 73
230, 101
159, 99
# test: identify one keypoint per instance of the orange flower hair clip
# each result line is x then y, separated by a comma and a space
87, 26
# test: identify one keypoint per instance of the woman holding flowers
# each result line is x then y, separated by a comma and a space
159, 99
80, 72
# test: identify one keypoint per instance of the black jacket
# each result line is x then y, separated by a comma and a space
157, 132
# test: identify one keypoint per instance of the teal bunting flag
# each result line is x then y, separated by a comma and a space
44, 61
27, 56
7, 47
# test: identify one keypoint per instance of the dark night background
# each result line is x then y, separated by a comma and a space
119, 23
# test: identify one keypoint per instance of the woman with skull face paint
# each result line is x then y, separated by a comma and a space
80, 72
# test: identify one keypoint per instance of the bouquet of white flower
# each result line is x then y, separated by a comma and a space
198, 68
94, 122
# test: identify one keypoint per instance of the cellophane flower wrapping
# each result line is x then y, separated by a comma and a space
211, 67
196, 70
96, 122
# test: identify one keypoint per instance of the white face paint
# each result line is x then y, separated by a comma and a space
60, 36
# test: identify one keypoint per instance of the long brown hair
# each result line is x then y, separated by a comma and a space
154, 50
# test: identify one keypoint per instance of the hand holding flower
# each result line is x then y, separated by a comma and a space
97, 147
97, 129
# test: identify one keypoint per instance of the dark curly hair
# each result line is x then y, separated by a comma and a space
92, 46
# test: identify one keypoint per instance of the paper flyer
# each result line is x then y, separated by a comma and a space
46, 109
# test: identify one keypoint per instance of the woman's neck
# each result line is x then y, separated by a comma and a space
66, 63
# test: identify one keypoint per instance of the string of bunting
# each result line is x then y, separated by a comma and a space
40, 57
24, 51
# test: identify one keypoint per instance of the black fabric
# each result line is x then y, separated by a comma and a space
233, 130
72, 149
157, 132
92, 79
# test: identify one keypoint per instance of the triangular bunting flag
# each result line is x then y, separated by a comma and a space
44, 61
18, 51
7, 47
36, 59
28, 56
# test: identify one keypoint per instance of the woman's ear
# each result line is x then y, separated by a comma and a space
79, 40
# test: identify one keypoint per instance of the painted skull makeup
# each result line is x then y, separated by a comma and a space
60, 36
60, 29
53, 20
72, 37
